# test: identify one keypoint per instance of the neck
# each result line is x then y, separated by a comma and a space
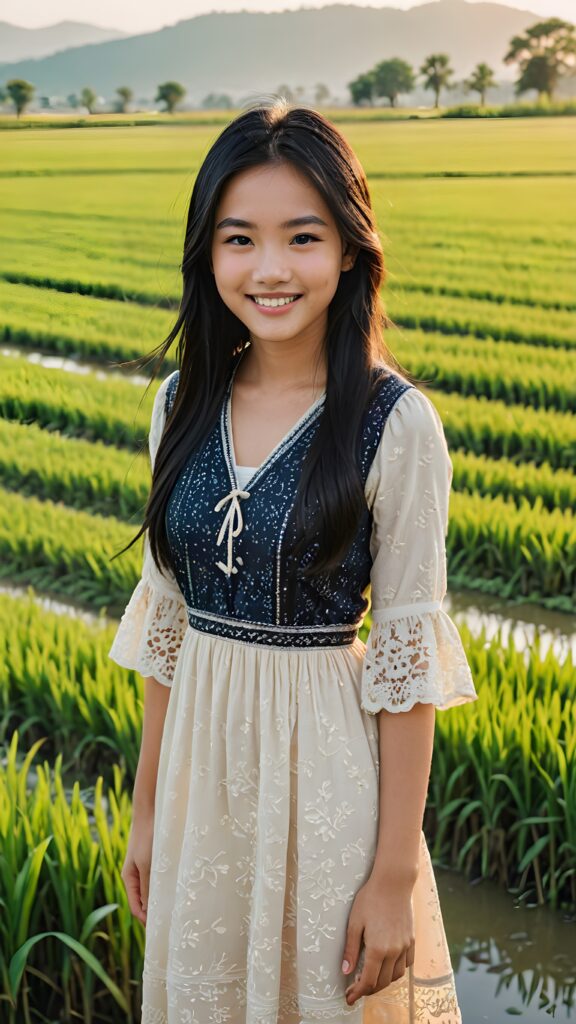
283, 367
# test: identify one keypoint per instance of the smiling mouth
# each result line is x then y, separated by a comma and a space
268, 302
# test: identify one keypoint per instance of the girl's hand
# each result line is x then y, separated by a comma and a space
382, 915
136, 868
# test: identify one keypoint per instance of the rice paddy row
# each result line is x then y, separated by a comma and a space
108, 480
516, 372
491, 545
114, 412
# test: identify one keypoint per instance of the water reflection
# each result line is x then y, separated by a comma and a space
522, 622
508, 959
84, 366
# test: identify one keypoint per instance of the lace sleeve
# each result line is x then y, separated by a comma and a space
414, 652
152, 627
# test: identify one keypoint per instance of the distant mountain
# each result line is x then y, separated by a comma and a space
18, 43
245, 52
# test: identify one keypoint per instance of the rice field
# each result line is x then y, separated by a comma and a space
478, 225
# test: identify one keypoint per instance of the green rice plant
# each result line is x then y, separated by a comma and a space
476, 474
513, 373
503, 431
386, 142
79, 325
501, 798
67, 552
525, 281
487, 788
492, 545
474, 317
113, 411
100, 478
61, 858
56, 681
522, 552
87, 475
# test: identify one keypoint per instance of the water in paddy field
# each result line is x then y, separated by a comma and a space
522, 623
509, 960
82, 366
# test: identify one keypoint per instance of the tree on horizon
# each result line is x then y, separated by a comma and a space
545, 53
88, 99
362, 89
20, 92
126, 95
437, 74
170, 93
392, 77
481, 79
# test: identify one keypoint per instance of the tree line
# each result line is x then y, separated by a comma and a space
545, 53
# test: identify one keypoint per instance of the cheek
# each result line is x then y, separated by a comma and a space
227, 270
324, 270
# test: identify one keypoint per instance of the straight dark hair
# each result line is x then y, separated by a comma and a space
330, 496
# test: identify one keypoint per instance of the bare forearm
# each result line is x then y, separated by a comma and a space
156, 697
406, 742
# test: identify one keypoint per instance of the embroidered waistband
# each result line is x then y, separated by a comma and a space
266, 635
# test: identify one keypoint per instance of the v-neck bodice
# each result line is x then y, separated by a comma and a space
300, 423
231, 545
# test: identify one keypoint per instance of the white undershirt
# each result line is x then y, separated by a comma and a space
243, 474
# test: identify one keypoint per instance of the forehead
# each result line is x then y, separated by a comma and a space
276, 189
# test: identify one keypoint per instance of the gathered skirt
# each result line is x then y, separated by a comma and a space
265, 827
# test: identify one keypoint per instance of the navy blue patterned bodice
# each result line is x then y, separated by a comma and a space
230, 547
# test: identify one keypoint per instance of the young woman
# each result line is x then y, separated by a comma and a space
276, 854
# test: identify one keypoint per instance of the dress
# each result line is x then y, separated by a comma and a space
266, 813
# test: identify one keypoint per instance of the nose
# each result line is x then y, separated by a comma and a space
271, 266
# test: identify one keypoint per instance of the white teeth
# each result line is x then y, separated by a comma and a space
273, 302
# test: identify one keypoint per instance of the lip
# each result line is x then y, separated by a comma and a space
274, 310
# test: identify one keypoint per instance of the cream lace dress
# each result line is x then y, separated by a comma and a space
266, 811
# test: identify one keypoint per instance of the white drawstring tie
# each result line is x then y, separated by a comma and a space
234, 512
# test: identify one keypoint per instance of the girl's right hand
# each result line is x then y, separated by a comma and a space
136, 868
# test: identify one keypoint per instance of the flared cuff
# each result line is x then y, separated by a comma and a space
150, 632
414, 655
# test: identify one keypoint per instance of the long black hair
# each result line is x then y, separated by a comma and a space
210, 335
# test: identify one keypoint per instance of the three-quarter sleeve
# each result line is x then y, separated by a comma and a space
414, 652
152, 627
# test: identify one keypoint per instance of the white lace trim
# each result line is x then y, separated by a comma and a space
152, 627
150, 633
414, 657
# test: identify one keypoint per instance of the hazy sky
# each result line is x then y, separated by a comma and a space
145, 16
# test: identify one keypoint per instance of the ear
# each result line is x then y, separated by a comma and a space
349, 255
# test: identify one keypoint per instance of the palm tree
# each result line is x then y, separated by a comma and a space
437, 73
481, 79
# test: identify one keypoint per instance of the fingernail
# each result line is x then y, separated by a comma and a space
345, 966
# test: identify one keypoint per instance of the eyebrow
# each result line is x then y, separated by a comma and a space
296, 222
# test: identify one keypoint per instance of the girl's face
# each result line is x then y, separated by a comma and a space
274, 236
